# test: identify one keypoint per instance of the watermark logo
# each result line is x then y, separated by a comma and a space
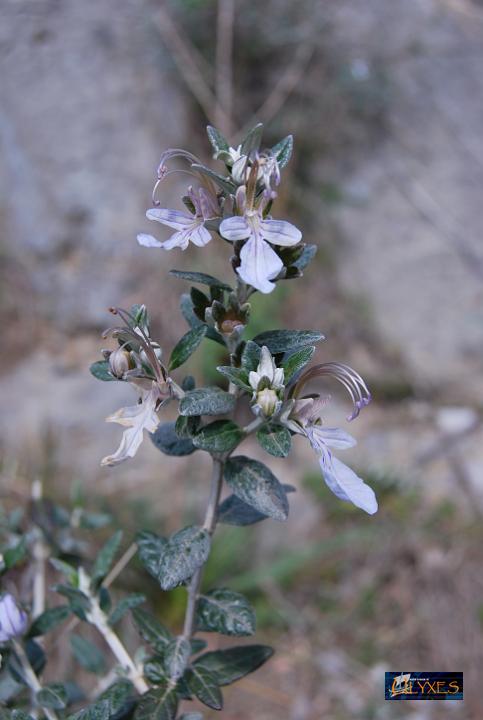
423, 685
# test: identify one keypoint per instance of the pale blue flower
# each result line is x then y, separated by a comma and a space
13, 620
190, 227
259, 262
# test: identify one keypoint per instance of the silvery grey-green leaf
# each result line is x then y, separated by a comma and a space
293, 362
53, 696
150, 550
202, 683
275, 439
105, 558
254, 483
219, 436
202, 278
151, 630
206, 401
127, 603
88, 655
160, 703
228, 666
166, 439
225, 611
184, 553
186, 346
281, 341
176, 656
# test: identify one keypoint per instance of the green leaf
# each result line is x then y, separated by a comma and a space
234, 511
105, 558
216, 139
226, 612
184, 553
176, 657
160, 703
150, 549
53, 696
79, 603
250, 356
293, 362
219, 436
202, 683
252, 140
49, 619
206, 401
127, 603
283, 151
166, 439
275, 439
186, 346
223, 182
100, 370
87, 654
306, 257
113, 704
69, 572
201, 278
93, 521
279, 341
191, 716
151, 630
237, 376
228, 666
154, 670
15, 555
254, 483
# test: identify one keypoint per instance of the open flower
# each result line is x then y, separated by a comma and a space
303, 416
13, 620
190, 227
267, 384
136, 418
259, 262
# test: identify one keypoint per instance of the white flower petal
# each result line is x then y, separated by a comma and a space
235, 228
177, 239
266, 366
200, 236
136, 418
259, 264
148, 241
333, 437
280, 232
346, 484
254, 378
172, 218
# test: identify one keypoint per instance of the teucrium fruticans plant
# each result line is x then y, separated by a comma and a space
270, 375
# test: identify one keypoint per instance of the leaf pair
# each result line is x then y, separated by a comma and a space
173, 561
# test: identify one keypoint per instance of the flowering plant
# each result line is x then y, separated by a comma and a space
269, 376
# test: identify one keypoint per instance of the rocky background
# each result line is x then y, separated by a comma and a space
387, 179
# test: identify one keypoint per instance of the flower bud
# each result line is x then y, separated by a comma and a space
119, 362
267, 402
13, 620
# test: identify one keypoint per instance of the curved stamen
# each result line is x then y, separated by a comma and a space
140, 337
349, 378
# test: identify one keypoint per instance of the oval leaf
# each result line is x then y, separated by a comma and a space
293, 362
226, 612
49, 620
160, 703
100, 370
276, 440
280, 341
53, 696
201, 278
206, 401
256, 485
176, 657
202, 683
185, 552
228, 666
219, 436
186, 346
166, 439
151, 630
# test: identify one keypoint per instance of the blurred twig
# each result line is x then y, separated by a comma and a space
185, 56
224, 66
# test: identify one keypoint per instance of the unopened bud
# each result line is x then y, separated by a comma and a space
119, 362
13, 620
268, 402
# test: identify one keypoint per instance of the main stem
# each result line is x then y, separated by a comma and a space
209, 525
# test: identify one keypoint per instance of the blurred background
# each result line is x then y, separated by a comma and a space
385, 99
